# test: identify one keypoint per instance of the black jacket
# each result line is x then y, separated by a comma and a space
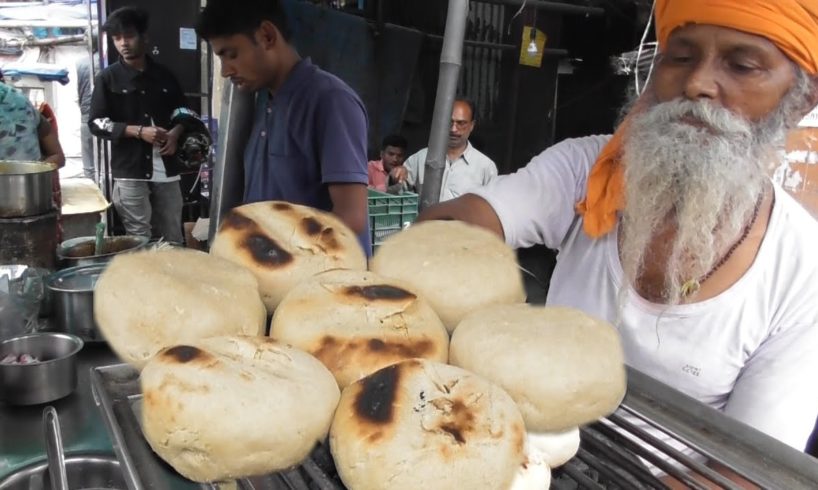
125, 96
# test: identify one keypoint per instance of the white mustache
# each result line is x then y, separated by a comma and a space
717, 118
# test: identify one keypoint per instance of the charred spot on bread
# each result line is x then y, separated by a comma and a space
405, 350
336, 353
311, 226
281, 206
380, 292
455, 432
185, 353
375, 402
458, 421
328, 239
266, 251
237, 221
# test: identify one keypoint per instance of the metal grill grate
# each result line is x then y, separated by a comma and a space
612, 453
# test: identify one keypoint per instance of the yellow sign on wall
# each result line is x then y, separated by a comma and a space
528, 55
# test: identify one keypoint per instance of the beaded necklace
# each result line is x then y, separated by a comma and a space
693, 285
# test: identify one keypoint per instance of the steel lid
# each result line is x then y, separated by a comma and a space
75, 279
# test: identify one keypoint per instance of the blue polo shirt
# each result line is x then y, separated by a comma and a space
311, 133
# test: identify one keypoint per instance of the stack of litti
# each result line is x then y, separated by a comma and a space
223, 402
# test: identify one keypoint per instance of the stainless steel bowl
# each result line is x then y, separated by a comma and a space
25, 188
80, 251
72, 294
54, 377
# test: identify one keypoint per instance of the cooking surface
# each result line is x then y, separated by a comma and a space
606, 459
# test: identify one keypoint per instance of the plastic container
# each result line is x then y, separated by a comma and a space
390, 213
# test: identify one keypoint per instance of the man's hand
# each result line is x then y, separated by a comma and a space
168, 148
399, 174
153, 135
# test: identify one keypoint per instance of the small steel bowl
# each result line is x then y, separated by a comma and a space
54, 377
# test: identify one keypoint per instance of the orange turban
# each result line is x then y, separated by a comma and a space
791, 24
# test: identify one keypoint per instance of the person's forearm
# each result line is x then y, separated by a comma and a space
469, 208
176, 131
57, 159
133, 131
354, 219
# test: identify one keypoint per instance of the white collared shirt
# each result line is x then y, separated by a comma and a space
472, 170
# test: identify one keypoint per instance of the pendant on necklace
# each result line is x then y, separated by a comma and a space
690, 287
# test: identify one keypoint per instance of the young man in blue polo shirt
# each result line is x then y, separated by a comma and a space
309, 138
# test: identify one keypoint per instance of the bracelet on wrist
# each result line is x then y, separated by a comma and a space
139, 132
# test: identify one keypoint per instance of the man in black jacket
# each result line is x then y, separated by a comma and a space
131, 106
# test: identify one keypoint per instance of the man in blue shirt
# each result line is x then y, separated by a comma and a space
309, 138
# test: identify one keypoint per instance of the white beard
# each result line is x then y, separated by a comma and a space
702, 182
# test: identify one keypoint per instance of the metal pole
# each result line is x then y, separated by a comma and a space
450, 60
235, 123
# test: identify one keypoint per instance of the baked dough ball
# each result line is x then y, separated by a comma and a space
563, 368
357, 322
422, 424
282, 244
230, 407
456, 266
145, 301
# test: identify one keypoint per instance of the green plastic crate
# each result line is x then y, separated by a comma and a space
389, 213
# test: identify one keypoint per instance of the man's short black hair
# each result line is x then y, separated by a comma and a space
127, 19
228, 18
395, 140
469, 102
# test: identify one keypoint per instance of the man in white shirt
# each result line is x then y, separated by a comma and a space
672, 230
466, 168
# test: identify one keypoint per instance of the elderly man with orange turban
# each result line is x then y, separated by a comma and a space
672, 229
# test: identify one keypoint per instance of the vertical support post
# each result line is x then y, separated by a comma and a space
450, 60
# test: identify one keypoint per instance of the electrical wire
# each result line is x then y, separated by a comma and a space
639, 89
510, 21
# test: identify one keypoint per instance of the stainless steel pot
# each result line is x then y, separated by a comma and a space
72, 296
54, 377
26, 188
80, 251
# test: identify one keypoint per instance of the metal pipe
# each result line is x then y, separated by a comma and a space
235, 123
450, 59
501, 46
554, 7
